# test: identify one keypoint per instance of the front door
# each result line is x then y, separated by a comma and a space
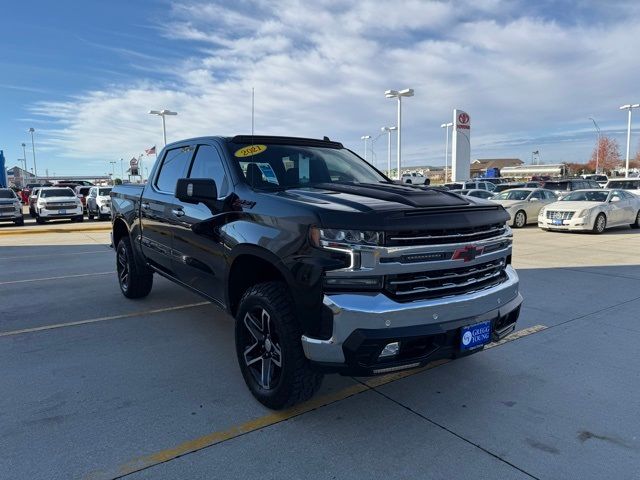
199, 256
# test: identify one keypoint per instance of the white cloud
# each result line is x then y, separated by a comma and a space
321, 68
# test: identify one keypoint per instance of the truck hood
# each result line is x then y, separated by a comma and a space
573, 206
392, 206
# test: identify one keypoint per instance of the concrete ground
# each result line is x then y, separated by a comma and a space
95, 386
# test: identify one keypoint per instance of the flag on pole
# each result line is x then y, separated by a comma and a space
151, 151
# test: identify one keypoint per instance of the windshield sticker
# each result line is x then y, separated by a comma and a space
250, 150
268, 173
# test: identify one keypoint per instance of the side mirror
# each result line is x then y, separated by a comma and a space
534, 199
615, 199
196, 190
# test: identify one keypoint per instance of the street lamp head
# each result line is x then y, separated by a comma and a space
168, 112
388, 129
445, 125
624, 107
407, 92
365, 137
24, 144
32, 130
391, 93
155, 112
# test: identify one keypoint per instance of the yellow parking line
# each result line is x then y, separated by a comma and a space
29, 231
190, 446
100, 319
57, 278
16, 257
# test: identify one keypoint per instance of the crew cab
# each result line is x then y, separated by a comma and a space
10, 207
98, 203
325, 263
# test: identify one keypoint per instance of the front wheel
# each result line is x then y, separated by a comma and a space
19, 222
636, 224
600, 223
40, 220
269, 349
520, 219
134, 282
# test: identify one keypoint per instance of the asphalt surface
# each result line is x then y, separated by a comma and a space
98, 386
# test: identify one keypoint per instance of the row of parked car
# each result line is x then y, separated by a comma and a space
56, 202
568, 204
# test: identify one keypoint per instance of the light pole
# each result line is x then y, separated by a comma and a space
365, 138
629, 107
163, 113
446, 148
121, 169
24, 155
113, 170
388, 130
407, 92
598, 147
33, 147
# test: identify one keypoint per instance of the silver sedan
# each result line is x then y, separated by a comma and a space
524, 204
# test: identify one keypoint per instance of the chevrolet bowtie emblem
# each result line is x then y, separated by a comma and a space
468, 253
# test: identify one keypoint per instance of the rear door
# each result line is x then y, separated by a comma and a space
199, 258
156, 207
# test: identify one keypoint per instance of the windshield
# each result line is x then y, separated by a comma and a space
57, 192
513, 195
7, 194
84, 190
268, 167
104, 192
586, 196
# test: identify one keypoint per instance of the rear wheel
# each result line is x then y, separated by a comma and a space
89, 213
520, 219
19, 222
600, 223
269, 349
40, 220
134, 281
636, 224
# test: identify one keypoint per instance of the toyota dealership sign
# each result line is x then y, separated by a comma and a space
461, 146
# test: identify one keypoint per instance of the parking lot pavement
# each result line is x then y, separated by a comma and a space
151, 388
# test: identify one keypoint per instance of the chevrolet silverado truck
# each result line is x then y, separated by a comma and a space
326, 265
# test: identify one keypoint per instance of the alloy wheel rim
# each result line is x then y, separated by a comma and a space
600, 223
519, 219
262, 353
123, 269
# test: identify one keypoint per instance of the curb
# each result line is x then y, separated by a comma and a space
30, 231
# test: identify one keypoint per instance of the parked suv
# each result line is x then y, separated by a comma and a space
99, 203
10, 207
55, 203
631, 184
415, 179
325, 264
563, 187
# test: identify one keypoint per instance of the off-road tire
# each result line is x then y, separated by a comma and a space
297, 381
135, 282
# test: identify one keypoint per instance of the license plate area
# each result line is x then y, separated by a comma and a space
558, 222
475, 336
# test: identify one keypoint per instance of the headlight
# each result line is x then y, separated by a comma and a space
542, 213
353, 237
584, 213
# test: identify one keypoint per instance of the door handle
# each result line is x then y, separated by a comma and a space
178, 212
145, 205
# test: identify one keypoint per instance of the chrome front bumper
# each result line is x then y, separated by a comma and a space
376, 311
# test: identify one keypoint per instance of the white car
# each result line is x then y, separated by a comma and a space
471, 185
601, 179
99, 202
414, 178
10, 207
53, 203
523, 204
591, 210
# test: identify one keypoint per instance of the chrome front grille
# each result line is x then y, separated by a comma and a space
7, 208
60, 205
444, 236
559, 215
442, 283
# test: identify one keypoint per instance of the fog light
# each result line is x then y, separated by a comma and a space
390, 350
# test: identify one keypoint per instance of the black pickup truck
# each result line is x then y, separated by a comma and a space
325, 264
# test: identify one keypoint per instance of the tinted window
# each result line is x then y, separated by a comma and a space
626, 184
556, 185
57, 192
537, 194
208, 164
550, 195
104, 192
174, 166
7, 194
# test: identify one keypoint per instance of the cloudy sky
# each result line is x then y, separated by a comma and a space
84, 74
